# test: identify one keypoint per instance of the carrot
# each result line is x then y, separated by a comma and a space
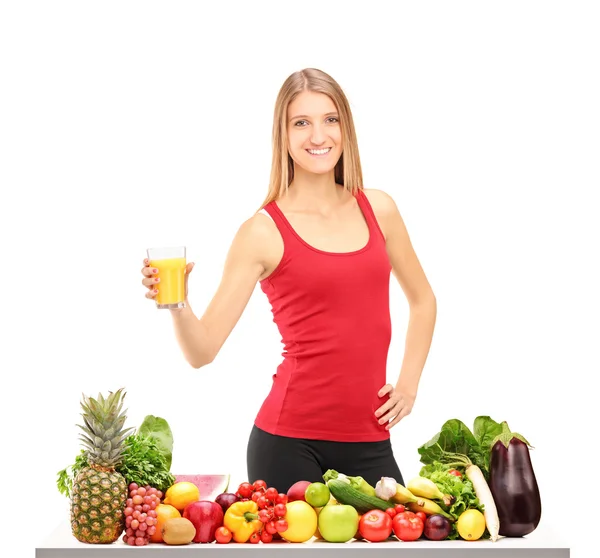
483, 492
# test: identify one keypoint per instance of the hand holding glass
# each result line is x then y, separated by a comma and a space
170, 263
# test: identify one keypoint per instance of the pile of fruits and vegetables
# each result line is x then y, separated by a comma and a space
473, 485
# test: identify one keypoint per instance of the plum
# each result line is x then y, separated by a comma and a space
437, 527
225, 500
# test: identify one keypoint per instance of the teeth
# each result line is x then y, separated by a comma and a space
319, 151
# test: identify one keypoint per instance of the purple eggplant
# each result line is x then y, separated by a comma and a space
513, 485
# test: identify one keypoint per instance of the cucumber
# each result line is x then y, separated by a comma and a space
346, 494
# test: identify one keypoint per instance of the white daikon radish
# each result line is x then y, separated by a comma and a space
484, 494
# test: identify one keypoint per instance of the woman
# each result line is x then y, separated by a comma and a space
322, 248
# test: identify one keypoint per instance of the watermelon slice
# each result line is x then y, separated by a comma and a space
210, 486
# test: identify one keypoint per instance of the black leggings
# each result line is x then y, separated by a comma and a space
281, 461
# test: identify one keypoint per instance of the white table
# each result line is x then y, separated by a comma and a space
542, 543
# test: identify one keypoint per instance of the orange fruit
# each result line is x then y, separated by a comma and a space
163, 513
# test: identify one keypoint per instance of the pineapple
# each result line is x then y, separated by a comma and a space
99, 492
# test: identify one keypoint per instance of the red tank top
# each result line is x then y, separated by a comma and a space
332, 311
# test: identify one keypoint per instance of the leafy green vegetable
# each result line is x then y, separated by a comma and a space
159, 428
455, 444
66, 476
485, 430
146, 460
144, 463
461, 488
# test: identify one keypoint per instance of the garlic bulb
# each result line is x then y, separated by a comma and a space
385, 488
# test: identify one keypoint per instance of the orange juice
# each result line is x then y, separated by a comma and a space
171, 288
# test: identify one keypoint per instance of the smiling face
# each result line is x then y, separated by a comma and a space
314, 132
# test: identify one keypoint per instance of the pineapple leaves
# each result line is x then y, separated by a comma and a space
144, 458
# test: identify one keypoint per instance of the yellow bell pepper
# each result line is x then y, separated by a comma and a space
241, 518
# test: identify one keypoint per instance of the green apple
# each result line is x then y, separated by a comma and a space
338, 523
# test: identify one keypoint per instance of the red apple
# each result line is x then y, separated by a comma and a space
297, 490
206, 517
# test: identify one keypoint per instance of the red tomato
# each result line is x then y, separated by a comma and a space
254, 538
223, 535
422, 515
391, 512
455, 472
375, 526
260, 485
265, 536
271, 494
399, 508
281, 498
245, 490
407, 526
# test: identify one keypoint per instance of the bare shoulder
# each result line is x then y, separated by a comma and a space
384, 207
382, 203
259, 239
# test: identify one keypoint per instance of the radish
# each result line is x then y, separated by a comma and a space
482, 490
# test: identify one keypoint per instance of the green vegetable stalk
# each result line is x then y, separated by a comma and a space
357, 483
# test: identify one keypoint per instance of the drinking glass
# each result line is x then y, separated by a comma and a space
170, 262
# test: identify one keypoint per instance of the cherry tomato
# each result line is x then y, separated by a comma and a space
455, 473
256, 496
270, 528
422, 515
260, 485
375, 526
391, 512
263, 515
265, 536
280, 510
407, 526
254, 538
223, 535
271, 494
281, 498
245, 490
399, 508
281, 525
261, 501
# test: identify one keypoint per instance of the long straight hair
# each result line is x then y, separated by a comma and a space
348, 171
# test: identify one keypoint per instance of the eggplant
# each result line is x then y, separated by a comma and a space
513, 485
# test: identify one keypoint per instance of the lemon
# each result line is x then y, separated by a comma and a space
471, 525
302, 522
181, 494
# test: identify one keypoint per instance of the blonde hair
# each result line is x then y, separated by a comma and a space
348, 171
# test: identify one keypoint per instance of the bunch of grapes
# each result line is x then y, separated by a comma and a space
140, 514
272, 509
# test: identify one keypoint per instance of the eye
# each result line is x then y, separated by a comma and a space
335, 120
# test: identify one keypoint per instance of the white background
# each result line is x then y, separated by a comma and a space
131, 124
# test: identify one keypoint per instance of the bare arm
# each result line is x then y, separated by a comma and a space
201, 339
422, 302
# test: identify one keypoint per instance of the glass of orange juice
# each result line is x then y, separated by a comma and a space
170, 262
